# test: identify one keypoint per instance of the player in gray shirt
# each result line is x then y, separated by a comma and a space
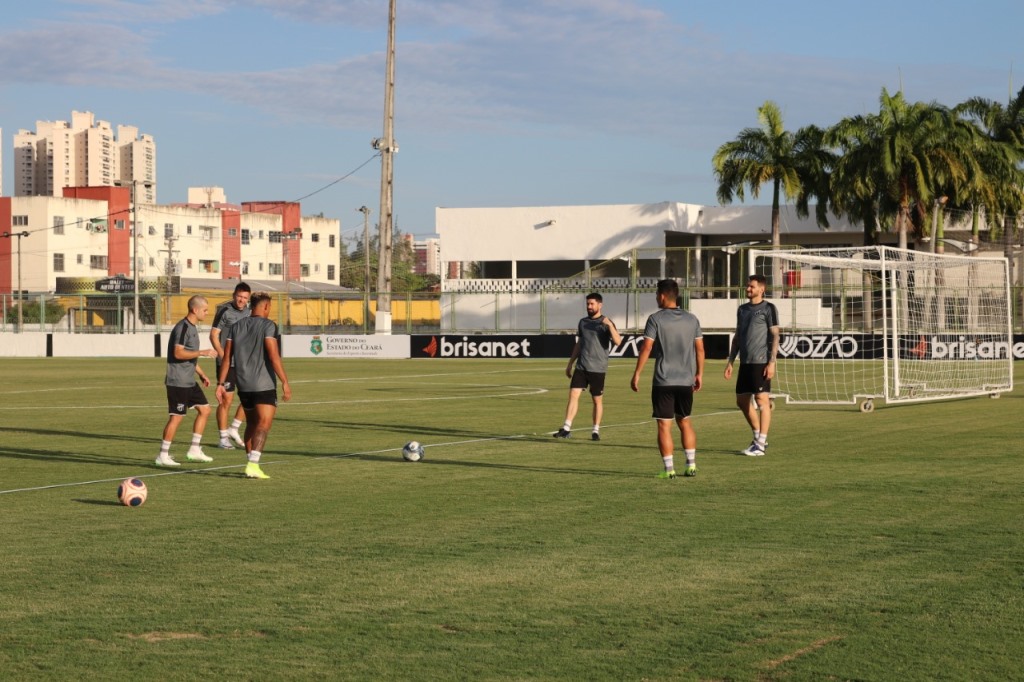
673, 336
590, 355
180, 380
253, 345
756, 342
227, 314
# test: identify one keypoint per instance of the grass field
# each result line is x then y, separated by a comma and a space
883, 546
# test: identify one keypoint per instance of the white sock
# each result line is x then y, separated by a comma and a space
196, 437
597, 428
567, 426
254, 456
223, 434
761, 438
165, 447
667, 460
235, 423
691, 458
755, 432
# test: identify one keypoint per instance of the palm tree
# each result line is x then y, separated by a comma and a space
1001, 155
794, 164
891, 164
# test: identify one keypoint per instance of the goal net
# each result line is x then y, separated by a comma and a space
860, 323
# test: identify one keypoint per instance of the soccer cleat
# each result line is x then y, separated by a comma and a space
755, 449
225, 444
197, 455
562, 433
690, 471
595, 436
235, 436
252, 470
166, 460
667, 474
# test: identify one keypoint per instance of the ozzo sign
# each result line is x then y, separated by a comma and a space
820, 346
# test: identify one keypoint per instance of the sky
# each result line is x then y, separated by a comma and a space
497, 102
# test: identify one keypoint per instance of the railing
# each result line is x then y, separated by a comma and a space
473, 310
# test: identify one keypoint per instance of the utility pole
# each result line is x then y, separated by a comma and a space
19, 235
169, 271
387, 148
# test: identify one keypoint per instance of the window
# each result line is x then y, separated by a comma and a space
274, 269
119, 224
98, 262
209, 266
275, 237
58, 224
304, 271
78, 259
206, 232
330, 241
188, 263
261, 267
245, 267
19, 220
168, 230
315, 237
316, 268
58, 262
188, 229
261, 234
232, 232
330, 272
152, 261
152, 231
245, 237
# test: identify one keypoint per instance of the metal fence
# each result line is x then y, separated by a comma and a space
551, 309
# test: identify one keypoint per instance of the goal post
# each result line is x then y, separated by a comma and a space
860, 323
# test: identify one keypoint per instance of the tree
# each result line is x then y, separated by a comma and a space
796, 164
1000, 188
892, 164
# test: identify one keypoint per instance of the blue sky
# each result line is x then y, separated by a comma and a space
497, 102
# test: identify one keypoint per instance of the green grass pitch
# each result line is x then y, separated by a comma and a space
864, 546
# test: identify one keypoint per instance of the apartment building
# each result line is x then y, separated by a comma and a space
87, 234
83, 153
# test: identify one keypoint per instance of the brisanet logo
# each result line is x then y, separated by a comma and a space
518, 347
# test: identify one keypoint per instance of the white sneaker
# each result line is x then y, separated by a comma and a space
225, 444
165, 460
756, 449
197, 455
235, 436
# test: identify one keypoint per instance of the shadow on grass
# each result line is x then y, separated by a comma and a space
102, 503
74, 434
494, 465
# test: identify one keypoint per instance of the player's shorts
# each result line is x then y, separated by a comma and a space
750, 379
230, 381
181, 398
250, 399
581, 378
671, 402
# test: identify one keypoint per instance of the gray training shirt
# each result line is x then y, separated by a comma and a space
753, 323
674, 331
227, 314
182, 372
594, 339
253, 370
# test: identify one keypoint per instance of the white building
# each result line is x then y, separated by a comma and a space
83, 153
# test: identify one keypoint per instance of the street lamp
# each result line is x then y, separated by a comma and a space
135, 242
366, 262
19, 235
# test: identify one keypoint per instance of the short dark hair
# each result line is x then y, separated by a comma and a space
669, 287
259, 297
594, 296
242, 286
759, 278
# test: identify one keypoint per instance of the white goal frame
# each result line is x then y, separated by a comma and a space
863, 323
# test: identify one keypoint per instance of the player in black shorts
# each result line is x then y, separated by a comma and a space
756, 342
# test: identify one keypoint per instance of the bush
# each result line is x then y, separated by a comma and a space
30, 312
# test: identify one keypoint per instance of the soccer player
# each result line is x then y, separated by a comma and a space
756, 341
227, 314
183, 392
252, 346
673, 336
590, 354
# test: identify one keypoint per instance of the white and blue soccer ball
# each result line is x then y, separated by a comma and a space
413, 451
